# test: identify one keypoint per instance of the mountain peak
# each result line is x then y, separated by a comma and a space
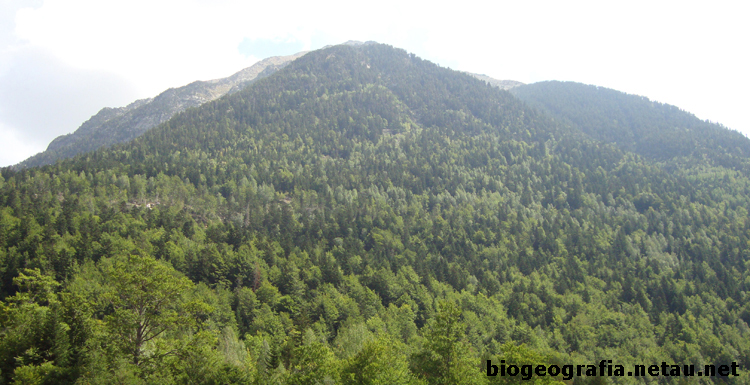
118, 125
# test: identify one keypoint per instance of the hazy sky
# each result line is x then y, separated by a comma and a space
63, 60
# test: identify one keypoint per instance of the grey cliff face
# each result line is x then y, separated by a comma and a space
501, 84
117, 125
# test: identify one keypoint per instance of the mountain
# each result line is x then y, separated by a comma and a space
634, 123
119, 125
363, 215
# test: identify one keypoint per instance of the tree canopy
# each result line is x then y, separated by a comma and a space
365, 216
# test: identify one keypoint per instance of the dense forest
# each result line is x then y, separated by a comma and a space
364, 216
634, 123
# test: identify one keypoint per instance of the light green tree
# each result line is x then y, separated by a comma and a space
381, 361
34, 343
147, 302
445, 358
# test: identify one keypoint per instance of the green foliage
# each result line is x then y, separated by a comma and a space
363, 209
445, 357
313, 363
380, 361
34, 342
521, 355
145, 301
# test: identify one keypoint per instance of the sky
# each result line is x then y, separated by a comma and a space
61, 61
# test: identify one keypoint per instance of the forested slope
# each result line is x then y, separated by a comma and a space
365, 216
120, 125
634, 123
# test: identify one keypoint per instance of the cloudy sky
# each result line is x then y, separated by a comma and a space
63, 60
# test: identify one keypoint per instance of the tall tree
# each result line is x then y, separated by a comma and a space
446, 357
148, 302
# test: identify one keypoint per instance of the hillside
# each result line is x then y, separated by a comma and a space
654, 130
366, 216
119, 125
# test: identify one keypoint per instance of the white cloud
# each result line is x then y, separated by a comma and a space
156, 45
43, 98
16, 149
